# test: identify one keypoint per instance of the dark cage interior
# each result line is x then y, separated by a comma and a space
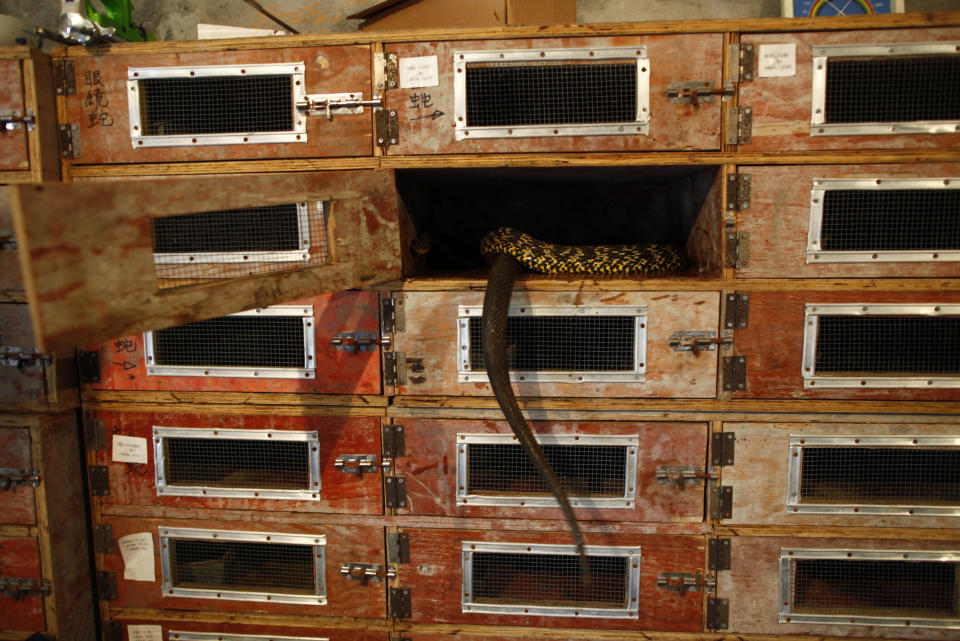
452, 210
234, 463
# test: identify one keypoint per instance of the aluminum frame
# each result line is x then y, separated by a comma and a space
289, 256
636, 375
631, 445
795, 468
640, 126
818, 92
294, 69
180, 635
309, 352
317, 541
815, 253
787, 615
311, 438
631, 553
812, 312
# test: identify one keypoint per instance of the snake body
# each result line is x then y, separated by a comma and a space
511, 251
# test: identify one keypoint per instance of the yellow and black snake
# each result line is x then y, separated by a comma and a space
510, 251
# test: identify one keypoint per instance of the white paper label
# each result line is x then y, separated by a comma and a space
129, 449
419, 72
137, 552
777, 61
145, 633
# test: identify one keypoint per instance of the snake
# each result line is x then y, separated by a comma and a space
510, 251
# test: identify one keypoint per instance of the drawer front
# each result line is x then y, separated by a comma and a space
17, 498
29, 379
23, 608
13, 143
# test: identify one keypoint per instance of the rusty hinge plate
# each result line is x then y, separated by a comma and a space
739, 125
94, 431
395, 491
394, 368
734, 370
718, 554
747, 61
721, 448
393, 442
99, 480
400, 605
386, 71
69, 141
103, 538
738, 249
388, 127
65, 77
398, 547
737, 312
391, 315
721, 502
718, 613
88, 365
107, 586
739, 190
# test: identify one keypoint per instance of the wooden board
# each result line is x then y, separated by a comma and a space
97, 280
34, 386
429, 344
123, 361
17, 504
169, 626
13, 144
434, 577
431, 464
100, 106
20, 559
135, 483
427, 120
781, 106
778, 222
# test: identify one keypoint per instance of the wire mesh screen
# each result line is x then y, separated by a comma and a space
583, 470
238, 565
881, 588
517, 94
880, 476
888, 344
548, 579
233, 341
216, 105
563, 343
890, 220
235, 463
903, 89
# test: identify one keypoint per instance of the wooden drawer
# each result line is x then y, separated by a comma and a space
30, 380
22, 609
28, 150
17, 474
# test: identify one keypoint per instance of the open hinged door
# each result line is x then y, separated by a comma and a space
110, 259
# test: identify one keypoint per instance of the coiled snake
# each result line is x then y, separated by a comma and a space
510, 251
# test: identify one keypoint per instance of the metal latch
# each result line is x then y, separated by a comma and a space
366, 572
21, 357
337, 104
8, 241
19, 588
697, 341
683, 475
15, 120
683, 582
358, 341
357, 463
693, 93
11, 478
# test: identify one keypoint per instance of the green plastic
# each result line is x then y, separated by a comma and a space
119, 15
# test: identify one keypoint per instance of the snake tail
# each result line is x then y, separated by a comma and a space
496, 305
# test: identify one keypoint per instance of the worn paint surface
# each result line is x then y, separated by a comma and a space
434, 575
100, 110
134, 484
782, 105
29, 384
13, 143
17, 504
672, 59
429, 344
430, 469
20, 559
122, 364
266, 631
345, 543
778, 222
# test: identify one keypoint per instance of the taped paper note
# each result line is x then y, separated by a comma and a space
137, 552
778, 61
145, 633
129, 449
419, 72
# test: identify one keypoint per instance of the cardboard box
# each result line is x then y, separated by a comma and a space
432, 14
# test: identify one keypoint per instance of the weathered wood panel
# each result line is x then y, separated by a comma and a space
169, 628
11, 278
17, 504
37, 384
20, 559
13, 144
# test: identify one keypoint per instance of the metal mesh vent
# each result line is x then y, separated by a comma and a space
880, 476
922, 345
901, 89
517, 94
232, 463
233, 341
235, 565
890, 220
563, 344
216, 105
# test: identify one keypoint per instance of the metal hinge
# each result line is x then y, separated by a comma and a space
20, 588
16, 120
388, 127
721, 448
69, 141
400, 606
64, 77
734, 369
366, 572
107, 586
95, 432
718, 613
394, 369
12, 477
738, 249
358, 342
112, 631
21, 357
684, 582
386, 71
683, 475
742, 63
398, 547
721, 502
391, 315
99, 480
695, 92
337, 104
395, 491
739, 125
737, 313
88, 365
698, 341
103, 538
393, 443
718, 555
739, 190
357, 463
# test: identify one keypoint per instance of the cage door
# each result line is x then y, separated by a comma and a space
15, 121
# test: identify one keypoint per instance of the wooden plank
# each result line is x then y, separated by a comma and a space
264, 626
183, 617
237, 402
79, 295
43, 140
804, 532
90, 172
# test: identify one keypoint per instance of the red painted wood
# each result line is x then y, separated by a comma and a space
337, 372
13, 143
345, 598
26, 385
430, 469
672, 59
773, 345
267, 631
20, 559
134, 484
17, 506
434, 576
333, 69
